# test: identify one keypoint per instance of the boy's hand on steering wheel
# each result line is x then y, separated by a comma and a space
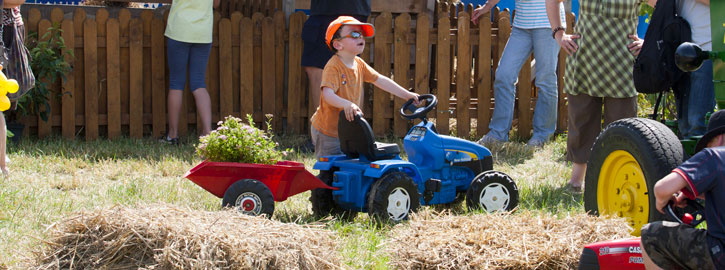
416, 99
350, 111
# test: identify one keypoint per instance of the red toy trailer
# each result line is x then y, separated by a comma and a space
253, 188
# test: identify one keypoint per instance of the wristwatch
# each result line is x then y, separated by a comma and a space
556, 29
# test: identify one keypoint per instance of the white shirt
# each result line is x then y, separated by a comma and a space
698, 15
531, 14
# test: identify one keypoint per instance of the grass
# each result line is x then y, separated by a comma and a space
51, 178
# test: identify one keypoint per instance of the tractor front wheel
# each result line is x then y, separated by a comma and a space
628, 157
492, 191
393, 198
250, 197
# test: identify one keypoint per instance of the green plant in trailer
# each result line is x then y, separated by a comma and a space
234, 141
47, 59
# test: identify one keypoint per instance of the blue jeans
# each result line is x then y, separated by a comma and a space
697, 100
518, 49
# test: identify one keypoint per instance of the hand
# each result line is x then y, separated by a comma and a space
636, 45
660, 204
567, 42
479, 12
416, 99
350, 111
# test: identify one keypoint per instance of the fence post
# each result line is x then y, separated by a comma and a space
91, 84
463, 76
44, 126
295, 91
69, 86
443, 74
158, 77
402, 66
226, 96
135, 77
280, 26
113, 79
483, 79
246, 70
383, 25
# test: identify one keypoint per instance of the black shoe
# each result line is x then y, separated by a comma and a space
168, 140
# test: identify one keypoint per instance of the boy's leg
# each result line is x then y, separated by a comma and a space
517, 50
198, 59
178, 60
546, 53
324, 145
697, 101
671, 245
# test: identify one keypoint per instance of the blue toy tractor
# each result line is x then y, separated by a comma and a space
440, 169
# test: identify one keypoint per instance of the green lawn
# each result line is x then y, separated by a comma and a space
51, 178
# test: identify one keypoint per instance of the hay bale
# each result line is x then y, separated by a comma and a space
525, 240
167, 237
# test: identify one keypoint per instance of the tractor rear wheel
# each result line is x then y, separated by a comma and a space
492, 191
393, 198
323, 203
627, 158
250, 197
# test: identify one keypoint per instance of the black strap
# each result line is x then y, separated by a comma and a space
657, 105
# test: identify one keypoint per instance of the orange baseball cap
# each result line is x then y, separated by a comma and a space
368, 29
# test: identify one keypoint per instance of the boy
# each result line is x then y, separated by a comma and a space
342, 82
672, 245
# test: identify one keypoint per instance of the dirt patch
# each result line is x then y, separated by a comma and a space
521, 241
167, 237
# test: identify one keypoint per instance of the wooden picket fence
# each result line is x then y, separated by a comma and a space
119, 81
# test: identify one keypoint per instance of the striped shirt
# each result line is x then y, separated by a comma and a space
531, 14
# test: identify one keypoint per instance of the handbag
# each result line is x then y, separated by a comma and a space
15, 57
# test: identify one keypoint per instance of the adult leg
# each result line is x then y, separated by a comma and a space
198, 59
619, 108
699, 101
314, 77
584, 123
178, 60
3, 144
546, 53
517, 50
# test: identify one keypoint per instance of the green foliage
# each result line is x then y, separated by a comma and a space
47, 55
234, 141
646, 9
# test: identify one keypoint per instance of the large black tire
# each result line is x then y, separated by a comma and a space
628, 157
492, 191
250, 197
398, 188
323, 204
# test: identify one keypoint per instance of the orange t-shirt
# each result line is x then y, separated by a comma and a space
347, 84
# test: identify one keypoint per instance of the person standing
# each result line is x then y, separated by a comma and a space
316, 53
531, 32
598, 72
189, 38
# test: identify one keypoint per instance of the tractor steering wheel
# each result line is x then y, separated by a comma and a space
419, 112
693, 214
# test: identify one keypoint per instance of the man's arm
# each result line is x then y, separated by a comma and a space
666, 188
392, 87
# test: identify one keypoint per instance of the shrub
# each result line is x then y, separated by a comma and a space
234, 141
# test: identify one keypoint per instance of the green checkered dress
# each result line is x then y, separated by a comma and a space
602, 66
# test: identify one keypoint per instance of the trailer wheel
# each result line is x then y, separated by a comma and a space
250, 197
627, 158
323, 204
492, 191
393, 198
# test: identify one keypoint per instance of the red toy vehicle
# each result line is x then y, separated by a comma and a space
253, 188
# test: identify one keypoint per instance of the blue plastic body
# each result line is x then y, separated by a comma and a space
430, 156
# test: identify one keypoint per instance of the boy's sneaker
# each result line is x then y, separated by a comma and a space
536, 143
168, 140
486, 139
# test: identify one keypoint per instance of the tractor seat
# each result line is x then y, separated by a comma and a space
356, 138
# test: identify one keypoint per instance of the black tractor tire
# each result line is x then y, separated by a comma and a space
398, 187
323, 204
656, 150
250, 197
498, 189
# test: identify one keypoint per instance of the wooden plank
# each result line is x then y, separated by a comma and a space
226, 97
79, 17
402, 66
34, 18
124, 18
235, 21
101, 19
504, 31
158, 83
212, 76
45, 126
483, 76
268, 72
463, 76
246, 71
397, 6
136, 71
443, 75
279, 33
68, 128
523, 92
257, 64
383, 29
422, 50
147, 17
113, 78
294, 76
91, 83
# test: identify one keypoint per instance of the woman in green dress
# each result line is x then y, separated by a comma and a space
598, 80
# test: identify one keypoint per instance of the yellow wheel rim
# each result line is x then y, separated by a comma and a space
622, 190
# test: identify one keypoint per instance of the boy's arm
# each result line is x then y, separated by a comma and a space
336, 101
392, 87
666, 188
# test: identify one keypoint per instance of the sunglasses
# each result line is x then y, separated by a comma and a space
354, 35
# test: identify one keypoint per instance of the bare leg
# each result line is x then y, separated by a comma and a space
203, 108
174, 101
578, 171
314, 76
648, 263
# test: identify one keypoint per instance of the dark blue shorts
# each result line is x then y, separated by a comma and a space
316, 53
182, 56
